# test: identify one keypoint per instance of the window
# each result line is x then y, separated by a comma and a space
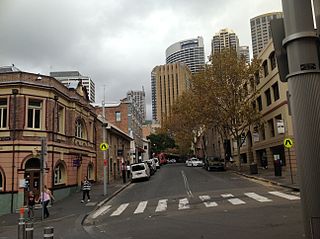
275, 89
271, 127
262, 132
80, 129
259, 101
59, 174
272, 59
60, 119
257, 78
3, 113
118, 116
1, 182
265, 68
268, 96
34, 114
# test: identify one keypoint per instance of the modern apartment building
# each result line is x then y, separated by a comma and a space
67, 77
244, 52
190, 52
261, 31
169, 82
225, 38
138, 98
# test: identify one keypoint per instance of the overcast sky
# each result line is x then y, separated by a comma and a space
115, 42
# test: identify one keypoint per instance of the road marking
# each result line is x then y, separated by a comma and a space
258, 197
141, 207
284, 195
184, 204
91, 204
102, 210
227, 195
205, 199
120, 209
186, 184
236, 201
162, 205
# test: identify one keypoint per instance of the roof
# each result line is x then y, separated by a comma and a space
6, 69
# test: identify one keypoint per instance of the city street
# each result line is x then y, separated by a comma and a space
180, 201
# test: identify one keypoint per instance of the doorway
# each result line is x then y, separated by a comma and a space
32, 178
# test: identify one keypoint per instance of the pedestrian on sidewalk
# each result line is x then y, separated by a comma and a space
124, 169
128, 169
45, 198
86, 187
31, 203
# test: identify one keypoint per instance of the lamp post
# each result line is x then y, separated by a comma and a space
14, 92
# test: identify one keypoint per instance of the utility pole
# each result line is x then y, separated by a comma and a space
105, 161
301, 44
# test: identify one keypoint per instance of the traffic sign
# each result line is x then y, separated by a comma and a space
288, 143
104, 146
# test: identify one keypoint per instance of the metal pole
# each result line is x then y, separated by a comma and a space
21, 225
304, 87
290, 166
14, 92
29, 230
48, 233
104, 152
43, 152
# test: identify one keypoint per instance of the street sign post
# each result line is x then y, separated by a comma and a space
104, 146
288, 143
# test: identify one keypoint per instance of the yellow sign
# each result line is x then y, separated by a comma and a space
104, 146
288, 143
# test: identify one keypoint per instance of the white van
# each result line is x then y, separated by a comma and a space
140, 170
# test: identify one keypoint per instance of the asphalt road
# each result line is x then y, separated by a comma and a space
187, 202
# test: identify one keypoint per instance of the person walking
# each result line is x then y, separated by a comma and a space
86, 187
45, 198
31, 203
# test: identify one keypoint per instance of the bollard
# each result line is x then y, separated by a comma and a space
21, 225
29, 230
48, 233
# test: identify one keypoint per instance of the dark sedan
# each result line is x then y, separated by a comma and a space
214, 163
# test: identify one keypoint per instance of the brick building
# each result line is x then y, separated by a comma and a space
35, 107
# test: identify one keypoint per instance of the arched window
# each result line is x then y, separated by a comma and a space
265, 68
59, 174
272, 59
90, 172
1, 182
80, 129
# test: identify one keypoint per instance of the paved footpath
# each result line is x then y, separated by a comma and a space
66, 215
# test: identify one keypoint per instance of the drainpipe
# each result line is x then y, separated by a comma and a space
14, 92
54, 120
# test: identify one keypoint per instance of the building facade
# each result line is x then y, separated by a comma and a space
170, 80
224, 39
67, 77
244, 52
34, 109
138, 98
190, 52
261, 31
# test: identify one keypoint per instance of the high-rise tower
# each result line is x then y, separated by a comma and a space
223, 39
190, 52
261, 31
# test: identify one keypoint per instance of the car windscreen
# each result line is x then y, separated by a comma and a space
215, 160
137, 167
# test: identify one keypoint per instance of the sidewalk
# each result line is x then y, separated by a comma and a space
268, 175
70, 206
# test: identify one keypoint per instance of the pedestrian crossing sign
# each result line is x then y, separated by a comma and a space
104, 146
288, 143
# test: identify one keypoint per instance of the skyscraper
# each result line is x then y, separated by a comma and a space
244, 52
168, 83
190, 52
261, 31
223, 39
138, 98
66, 77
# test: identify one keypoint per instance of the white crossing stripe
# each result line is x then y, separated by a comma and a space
184, 204
120, 209
257, 197
141, 207
102, 210
236, 201
284, 195
162, 205
205, 199
227, 195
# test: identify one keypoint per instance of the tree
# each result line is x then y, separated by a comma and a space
160, 142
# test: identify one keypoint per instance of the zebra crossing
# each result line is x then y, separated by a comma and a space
206, 200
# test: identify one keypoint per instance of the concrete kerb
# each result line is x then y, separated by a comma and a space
100, 204
268, 181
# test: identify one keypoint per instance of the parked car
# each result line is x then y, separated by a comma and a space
214, 163
157, 162
140, 170
194, 162
152, 165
